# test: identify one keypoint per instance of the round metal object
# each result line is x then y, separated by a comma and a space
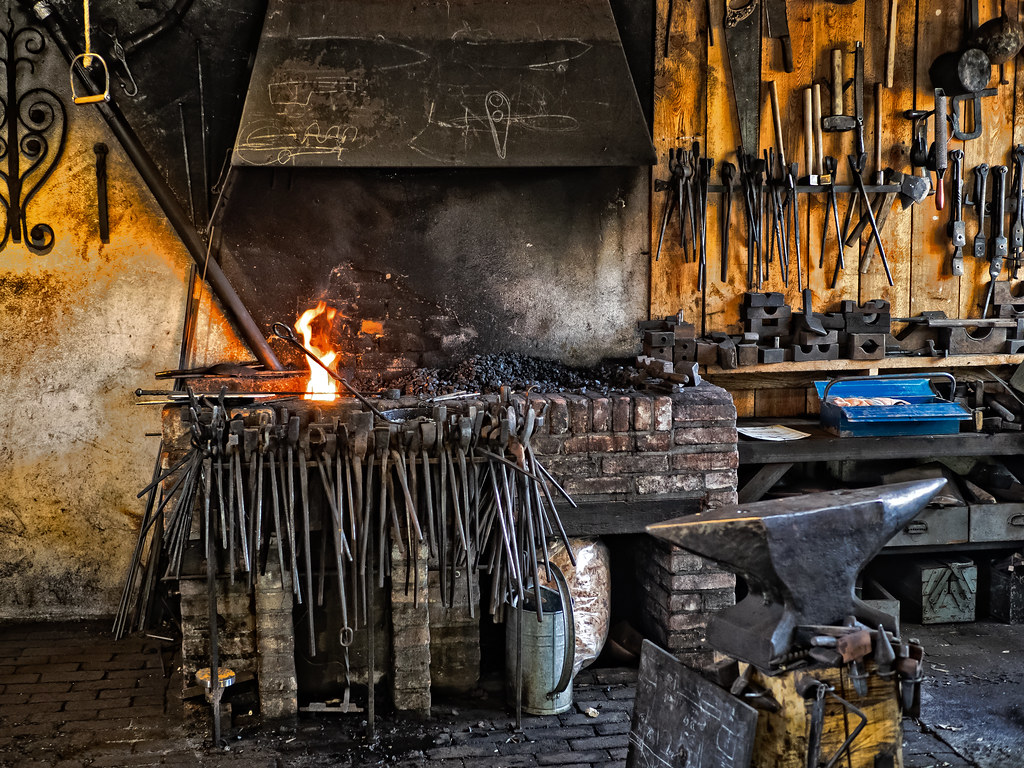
960, 72
1001, 39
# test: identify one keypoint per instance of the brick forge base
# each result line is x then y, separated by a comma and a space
673, 452
641, 448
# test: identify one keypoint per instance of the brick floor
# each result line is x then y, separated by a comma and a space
71, 697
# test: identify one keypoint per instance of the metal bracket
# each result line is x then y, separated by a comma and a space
954, 117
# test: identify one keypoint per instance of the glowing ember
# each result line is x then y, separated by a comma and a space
321, 386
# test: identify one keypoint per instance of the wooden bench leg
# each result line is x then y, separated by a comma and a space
762, 482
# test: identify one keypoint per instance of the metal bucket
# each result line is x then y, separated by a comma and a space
539, 654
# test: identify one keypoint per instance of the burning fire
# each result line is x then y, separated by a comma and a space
321, 386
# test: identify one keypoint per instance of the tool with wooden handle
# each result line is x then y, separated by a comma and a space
890, 47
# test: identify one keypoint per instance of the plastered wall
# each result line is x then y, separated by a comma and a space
80, 329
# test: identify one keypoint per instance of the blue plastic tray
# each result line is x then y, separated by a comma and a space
925, 414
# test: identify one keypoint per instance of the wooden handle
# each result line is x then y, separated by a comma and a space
819, 143
878, 128
809, 130
890, 52
837, 82
773, 94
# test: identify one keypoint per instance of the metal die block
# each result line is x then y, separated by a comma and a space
768, 328
770, 299
685, 351
660, 353
766, 313
659, 338
983, 342
804, 337
772, 355
1014, 346
707, 352
938, 526
746, 354
865, 346
807, 352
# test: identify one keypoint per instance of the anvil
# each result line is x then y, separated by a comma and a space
800, 557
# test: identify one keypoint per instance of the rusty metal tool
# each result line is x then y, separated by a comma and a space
794, 199
307, 548
743, 45
879, 168
999, 242
809, 134
728, 173
778, 28
875, 233
980, 244
771, 544
831, 206
101, 191
956, 227
940, 148
1017, 228
671, 187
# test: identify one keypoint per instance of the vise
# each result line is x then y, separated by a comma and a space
799, 556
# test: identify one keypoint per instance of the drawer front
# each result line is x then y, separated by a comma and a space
947, 525
997, 522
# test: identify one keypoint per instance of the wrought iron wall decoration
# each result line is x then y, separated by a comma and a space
33, 130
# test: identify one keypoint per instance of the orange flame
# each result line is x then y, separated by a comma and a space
321, 386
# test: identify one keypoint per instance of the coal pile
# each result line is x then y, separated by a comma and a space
488, 373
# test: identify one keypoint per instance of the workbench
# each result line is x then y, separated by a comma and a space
974, 525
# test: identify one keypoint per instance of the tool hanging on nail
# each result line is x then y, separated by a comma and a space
956, 227
101, 191
938, 154
980, 243
778, 28
999, 243
1017, 228
84, 62
728, 173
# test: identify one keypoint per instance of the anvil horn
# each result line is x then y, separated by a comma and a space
800, 556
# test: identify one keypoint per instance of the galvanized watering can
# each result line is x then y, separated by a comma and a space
540, 654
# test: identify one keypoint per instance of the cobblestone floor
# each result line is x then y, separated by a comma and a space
71, 697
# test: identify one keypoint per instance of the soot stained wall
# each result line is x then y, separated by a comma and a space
548, 262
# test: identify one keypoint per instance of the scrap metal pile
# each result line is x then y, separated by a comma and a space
259, 480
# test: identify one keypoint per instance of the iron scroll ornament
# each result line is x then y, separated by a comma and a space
33, 132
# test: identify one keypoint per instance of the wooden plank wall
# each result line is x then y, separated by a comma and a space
693, 101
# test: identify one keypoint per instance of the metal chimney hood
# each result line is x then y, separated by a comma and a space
441, 84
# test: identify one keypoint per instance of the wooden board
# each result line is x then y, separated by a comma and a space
693, 98
681, 720
782, 736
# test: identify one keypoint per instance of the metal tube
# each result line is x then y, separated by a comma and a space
165, 198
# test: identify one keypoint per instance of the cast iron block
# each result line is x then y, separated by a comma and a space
865, 346
957, 341
766, 313
770, 299
1014, 346
774, 354
661, 353
707, 352
685, 351
746, 354
683, 331
810, 352
804, 337
768, 328
728, 354
659, 338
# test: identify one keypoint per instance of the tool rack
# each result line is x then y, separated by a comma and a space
694, 102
